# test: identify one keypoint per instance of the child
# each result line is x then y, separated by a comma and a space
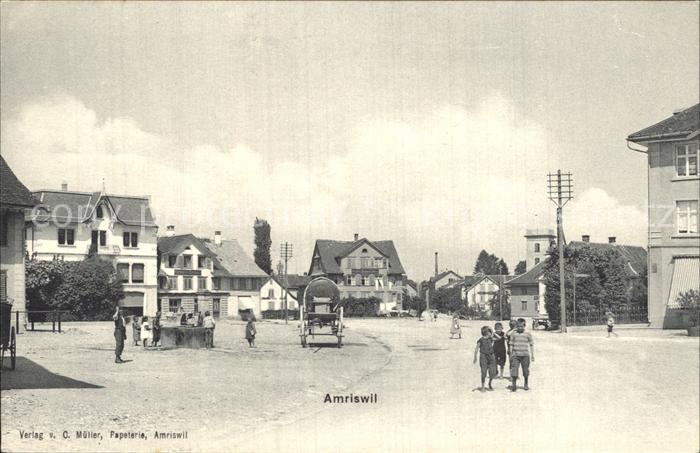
487, 359
521, 343
499, 347
611, 323
455, 329
511, 328
136, 329
145, 331
250, 333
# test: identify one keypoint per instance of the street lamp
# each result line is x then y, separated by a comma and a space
580, 276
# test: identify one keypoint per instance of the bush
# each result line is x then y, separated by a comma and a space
279, 314
358, 308
690, 301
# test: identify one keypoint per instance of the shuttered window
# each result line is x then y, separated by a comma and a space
123, 272
137, 273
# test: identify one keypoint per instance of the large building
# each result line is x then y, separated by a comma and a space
538, 242
14, 199
480, 290
198, 275
71, 226
361, 268
671, 148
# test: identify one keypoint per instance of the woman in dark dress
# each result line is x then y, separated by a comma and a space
156, 330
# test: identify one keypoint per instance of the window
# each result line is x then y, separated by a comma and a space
358, 280
365, 280
216, 282
187, 283
537, 247
248, 283
523, 305
3, 286
187, 261
687, 160
98, 212
174, 305
537, 261
172, 283
66, 236
123, 272
201, 262
348, 280
130, 240
372, 280
172, 260
687, 217
137, 273
364, 250
378, 263
103, 238
271, 293
3, 230
202, 283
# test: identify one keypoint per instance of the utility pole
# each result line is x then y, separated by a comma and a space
560, 190
286, 254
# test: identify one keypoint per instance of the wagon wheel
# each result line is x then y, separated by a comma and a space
13, 349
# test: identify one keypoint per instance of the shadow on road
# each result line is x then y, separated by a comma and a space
31, 375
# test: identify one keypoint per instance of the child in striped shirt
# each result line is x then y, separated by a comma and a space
522, 351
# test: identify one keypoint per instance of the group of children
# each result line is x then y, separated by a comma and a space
494, 345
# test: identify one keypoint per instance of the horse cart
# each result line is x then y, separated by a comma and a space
321, 312
8, 336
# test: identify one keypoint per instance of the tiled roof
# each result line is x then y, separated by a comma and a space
443, 274
331, 251
174, 245
79, 206
635, 256
231, 257
12, 191
530, 277
680, 124
295, 281
499, 280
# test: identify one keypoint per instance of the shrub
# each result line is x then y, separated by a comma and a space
690, 301
357, 308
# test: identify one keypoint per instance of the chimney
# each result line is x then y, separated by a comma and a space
611, 240
357, 236
586, 238
64, 186
170, 231
217, 237
436, 264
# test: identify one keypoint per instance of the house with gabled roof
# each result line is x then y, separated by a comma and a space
526, 292
71, 226
15, 198
479, 290
272, 292
444, 278
361, 268
672, 150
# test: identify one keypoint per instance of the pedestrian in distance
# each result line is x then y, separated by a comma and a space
250, 332
522, 350
146, 333
209, 324
119, 335
136, 329
511, 328
611, 323
156, 330
455, 328
487, 359
499, 348
435, 315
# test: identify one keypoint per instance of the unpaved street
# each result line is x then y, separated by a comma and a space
638, 392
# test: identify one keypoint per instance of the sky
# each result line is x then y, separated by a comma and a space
431, 124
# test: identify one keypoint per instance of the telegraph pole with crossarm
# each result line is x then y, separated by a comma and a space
560, 190
286, 250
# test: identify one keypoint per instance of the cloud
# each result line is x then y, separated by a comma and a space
455, 180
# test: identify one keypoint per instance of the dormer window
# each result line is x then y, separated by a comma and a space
98, 213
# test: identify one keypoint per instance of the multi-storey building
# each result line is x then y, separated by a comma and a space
480, 290
14, 199
198, 274
361, 269
272, 292
538, 242
444, 278
671, 148
72, 225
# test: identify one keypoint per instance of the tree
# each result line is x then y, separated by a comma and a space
88, 289
447, 299
496, 303
490, 264
262, 245
520, 268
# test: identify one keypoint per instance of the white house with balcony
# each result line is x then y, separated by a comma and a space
71, 226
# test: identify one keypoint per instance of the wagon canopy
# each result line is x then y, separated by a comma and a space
322, 289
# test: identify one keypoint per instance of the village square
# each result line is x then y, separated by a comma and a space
244, 263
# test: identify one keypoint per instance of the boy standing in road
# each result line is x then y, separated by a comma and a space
487, 359
250, 332
499, 347
522, 350
611, 323
209, 325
